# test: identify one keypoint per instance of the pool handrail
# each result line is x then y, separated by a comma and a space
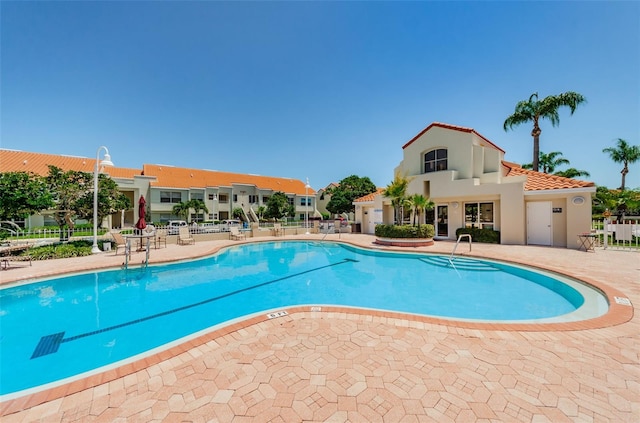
451, 257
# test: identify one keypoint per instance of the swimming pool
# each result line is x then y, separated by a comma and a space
58, 328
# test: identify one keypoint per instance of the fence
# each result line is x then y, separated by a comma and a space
617, 235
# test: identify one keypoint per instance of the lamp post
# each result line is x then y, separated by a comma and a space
105, 162
306, 209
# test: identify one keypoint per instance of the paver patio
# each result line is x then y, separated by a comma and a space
344, 365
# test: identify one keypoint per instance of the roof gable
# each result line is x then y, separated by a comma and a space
453, 128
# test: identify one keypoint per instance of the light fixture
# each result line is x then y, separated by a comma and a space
105, 162
578, 200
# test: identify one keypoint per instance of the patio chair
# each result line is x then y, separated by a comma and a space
120, 242
160, 238
277, 229
234, 233
184, 237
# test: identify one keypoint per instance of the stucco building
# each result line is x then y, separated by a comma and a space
471, 184
164, 186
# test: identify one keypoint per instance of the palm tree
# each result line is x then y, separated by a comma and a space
198, 206
572, 172
181, 210
419, 203
548, 162
533, 110
396, 190
625, 154
261, 211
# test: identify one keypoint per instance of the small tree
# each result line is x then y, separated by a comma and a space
350, 188
261, 211
419, 204
277, 206
110, 200
198, 206
67, 188
23, 194
181, 210
397, 191
238, 213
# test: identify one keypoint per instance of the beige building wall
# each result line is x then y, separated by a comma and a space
475, 174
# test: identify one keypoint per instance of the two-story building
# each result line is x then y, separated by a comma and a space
164, 186
471, 184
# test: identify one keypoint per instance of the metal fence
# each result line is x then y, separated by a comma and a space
617, 234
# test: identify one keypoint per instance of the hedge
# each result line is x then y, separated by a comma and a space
405, 231
487, 236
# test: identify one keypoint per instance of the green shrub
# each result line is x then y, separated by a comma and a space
487, 236
62, 250
405, 231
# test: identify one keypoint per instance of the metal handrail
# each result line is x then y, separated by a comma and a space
458, 242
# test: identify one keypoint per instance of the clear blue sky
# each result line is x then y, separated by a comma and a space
321, 90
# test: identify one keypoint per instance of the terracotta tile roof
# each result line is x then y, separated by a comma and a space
179, 177
537, 181
23, 161
455, 128
369, 197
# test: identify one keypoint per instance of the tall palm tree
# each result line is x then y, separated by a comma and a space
533, 110
625, 154
397, 191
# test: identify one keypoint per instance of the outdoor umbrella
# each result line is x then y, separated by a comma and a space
141, 224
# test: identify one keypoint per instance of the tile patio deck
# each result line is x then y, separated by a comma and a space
349, 365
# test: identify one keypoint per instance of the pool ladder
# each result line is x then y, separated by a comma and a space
127, 254
451, 257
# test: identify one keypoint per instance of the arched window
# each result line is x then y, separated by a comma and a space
435, 160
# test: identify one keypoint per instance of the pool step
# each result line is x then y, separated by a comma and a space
459, 263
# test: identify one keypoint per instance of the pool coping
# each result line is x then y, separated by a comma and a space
617, 314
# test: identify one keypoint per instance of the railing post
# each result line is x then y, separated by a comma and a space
605, 231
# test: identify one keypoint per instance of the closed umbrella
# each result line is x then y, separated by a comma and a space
141, 224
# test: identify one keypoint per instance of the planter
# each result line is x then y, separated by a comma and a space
404, 242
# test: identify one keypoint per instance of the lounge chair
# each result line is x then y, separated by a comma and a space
184, 237
120, 241
277, 229
234, 233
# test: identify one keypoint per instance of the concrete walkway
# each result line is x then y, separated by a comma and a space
342, 365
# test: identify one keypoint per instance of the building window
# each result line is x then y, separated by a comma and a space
253, 199
435, 160
478, 215
213, 197
197, 196
291, 200
265, 199
235, 198
170, 197
224, 198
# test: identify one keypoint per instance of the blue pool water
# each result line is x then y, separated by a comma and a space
58, 328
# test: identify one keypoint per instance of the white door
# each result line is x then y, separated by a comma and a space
539, 223
368, 224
